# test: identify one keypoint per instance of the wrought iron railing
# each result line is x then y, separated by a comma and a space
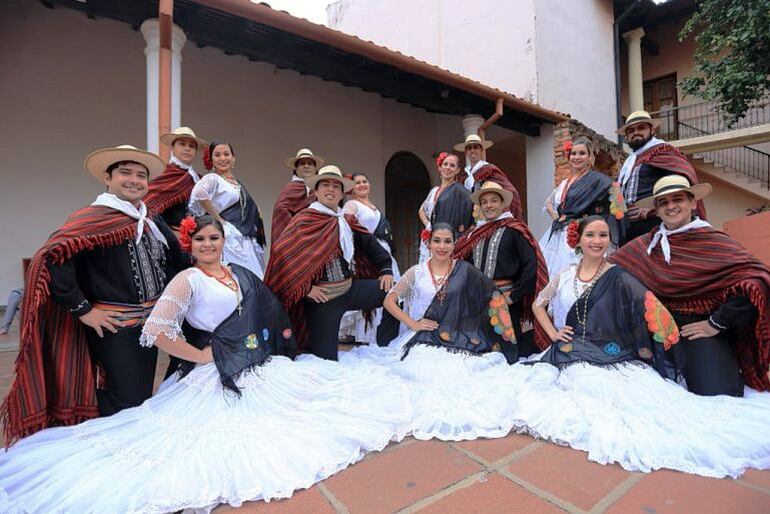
706, 118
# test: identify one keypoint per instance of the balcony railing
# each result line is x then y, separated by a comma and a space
706, 118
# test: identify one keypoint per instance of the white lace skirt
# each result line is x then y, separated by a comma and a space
556, 252
243, 250
454, 396
628, 414
194, 446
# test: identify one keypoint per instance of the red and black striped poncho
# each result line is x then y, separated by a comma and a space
297, 261
170, 188
292, 199
55, 380
708, 267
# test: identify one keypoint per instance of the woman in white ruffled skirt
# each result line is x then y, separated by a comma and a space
245, 423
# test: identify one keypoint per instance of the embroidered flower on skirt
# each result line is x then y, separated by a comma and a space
612, 348
250, 342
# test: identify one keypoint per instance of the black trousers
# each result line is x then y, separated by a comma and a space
323, 319
130, 368
710, 364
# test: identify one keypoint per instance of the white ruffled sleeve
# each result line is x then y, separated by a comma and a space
168, 314
204, 189
546, 295
351, 207
404, 288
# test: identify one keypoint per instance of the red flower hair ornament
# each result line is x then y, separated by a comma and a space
186, 228
207, 159
573, 237
440, 159
567, 147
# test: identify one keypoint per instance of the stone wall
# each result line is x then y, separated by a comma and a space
609, 155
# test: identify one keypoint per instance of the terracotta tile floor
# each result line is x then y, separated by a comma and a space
510, 475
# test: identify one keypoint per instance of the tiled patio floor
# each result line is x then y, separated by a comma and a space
516, 474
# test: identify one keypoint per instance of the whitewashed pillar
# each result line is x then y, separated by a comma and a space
151, 32
635, 78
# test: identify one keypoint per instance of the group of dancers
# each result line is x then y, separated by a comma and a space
632, 330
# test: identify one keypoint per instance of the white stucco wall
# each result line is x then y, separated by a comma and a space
491, 41
77, 97
575, 61
540, 168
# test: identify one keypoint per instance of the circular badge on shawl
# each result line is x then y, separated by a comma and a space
287, 333
612, 348
444, 335
250, 341
565, 347
645, 353
496, 347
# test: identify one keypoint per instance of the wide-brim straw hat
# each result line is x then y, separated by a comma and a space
636, 118
98, 161
330, 172
473, 139
169, 138
492, 187
674, 184
291, 162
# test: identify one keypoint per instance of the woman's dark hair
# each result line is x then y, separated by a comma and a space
215, 144
444, 226
204, 221
358, 174
587, 221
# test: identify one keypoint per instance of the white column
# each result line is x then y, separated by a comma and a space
151, 32
471, 124
635, 78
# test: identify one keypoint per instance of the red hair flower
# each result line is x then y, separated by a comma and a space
573, 238
440, 159
567, 147
207, 159
186, 228
425, 235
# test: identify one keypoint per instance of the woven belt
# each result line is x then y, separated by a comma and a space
334, 289
130, 314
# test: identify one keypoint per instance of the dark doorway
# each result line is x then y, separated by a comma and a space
406, 185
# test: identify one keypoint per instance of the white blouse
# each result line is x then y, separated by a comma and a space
416, 290
192, 295
560, 296
212, 187
367, 216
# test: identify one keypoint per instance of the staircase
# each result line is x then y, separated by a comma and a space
709, 169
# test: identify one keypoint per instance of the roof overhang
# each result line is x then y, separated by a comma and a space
266, 35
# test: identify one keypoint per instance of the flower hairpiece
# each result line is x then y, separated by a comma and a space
186, 228
573, 237
207, 159
440, 159
567, 147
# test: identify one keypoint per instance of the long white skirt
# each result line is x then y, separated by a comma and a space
629, 414
556, 252
454, 396
243, 250
194, 446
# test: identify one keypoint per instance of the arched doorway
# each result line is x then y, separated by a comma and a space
406, 185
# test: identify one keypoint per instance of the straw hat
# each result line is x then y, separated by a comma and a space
169, 138
492, 187
673, 184
330, 172
97, 162
636, 118
473, 138
291, 162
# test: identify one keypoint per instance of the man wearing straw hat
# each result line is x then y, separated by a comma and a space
503, 248
295, 195
716, 290
652, 159
478, 171
89, 289
169, 193
326, 263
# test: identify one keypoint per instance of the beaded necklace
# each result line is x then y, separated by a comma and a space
440, 280
592, 282
229, 282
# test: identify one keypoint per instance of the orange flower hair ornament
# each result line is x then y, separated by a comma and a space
573, 237
567, 147
186, 228
207, 159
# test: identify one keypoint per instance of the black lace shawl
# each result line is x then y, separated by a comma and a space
466, 317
